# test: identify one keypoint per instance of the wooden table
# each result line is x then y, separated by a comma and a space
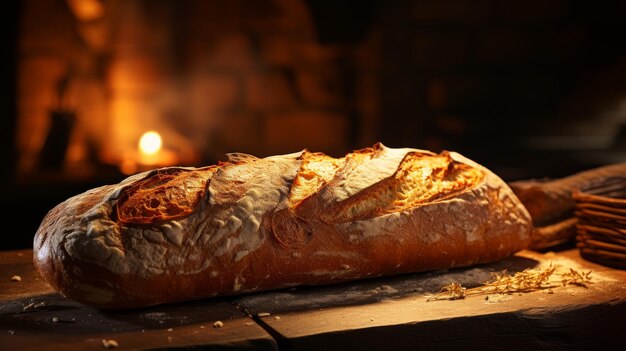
390, 313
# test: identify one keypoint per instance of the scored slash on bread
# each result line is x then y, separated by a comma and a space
252, 224
166, 195
420, 177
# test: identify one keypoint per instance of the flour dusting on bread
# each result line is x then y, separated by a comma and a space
306, 218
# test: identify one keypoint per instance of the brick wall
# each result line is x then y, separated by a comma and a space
210, 75
264, 83
249, 78
485, 77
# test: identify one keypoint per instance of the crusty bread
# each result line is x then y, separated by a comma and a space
253, 224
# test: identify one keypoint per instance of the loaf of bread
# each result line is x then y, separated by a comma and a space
252, 224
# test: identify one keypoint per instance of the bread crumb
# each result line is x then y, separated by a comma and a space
11, 332
202, 326
263, 314
55, 319
29, 307
218, 324
249, 323
16, 278
277, 318
497, 298
110, 344
371, 319
170, 329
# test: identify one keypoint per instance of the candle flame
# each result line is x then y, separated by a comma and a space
150, 143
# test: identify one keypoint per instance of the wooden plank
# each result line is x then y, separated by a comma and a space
33, 316
383, 313
19, 263
570, 317
370, 291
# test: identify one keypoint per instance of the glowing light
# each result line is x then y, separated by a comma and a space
150, 143
87, 10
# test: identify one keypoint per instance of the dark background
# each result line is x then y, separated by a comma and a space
526, 88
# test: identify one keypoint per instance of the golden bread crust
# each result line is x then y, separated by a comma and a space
253, 224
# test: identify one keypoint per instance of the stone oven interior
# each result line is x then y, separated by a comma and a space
530, 89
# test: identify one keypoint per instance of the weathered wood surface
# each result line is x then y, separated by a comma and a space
33, 316
569, 318
389, 313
